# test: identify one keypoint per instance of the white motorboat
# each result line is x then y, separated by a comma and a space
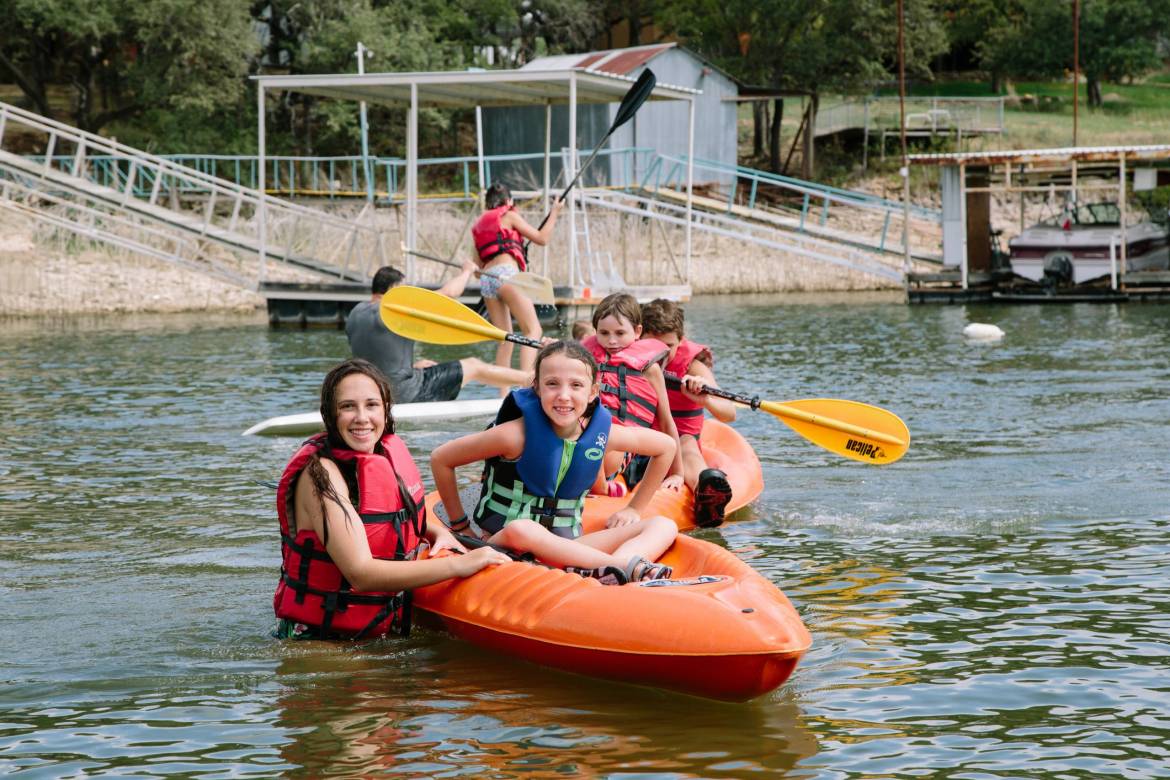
1084, 243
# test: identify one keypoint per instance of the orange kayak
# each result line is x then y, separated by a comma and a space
718, 629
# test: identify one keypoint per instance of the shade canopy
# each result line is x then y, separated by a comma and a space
470, 88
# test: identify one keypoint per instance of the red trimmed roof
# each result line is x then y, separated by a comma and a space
625, 61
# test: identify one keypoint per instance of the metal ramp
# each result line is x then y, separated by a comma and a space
856, 219
807, 246
143, 209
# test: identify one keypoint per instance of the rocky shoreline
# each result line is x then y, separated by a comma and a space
59, 276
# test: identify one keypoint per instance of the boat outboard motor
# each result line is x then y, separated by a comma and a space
1058, 270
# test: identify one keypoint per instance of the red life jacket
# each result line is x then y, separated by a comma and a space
312, 590
628, 395
491, 238
688, 415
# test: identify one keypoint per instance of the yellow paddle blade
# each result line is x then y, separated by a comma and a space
423, 315
849, 428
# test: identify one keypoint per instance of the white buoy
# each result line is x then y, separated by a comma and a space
982, 331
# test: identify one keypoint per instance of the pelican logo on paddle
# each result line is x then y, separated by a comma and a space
870, 451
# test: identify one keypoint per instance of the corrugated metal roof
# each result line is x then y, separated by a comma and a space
1064, 154
621, 62
467, 89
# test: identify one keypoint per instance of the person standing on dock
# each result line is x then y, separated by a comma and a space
416, 381
499, 237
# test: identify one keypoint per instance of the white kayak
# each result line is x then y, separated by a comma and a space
310, 422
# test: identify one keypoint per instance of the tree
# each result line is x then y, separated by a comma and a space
973, 25
516, 31
121, 58
808, 46
1118, 40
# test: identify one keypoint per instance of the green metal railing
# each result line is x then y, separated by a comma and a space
440, 178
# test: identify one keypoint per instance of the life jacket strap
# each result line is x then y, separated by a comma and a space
562, 516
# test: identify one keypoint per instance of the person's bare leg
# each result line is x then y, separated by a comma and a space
530, 536
522, 308
648, 538
500, 316
692, 458
475, 370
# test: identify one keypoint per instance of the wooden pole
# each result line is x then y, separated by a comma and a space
905, 155
1076, 64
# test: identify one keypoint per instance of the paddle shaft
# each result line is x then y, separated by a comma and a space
425, 256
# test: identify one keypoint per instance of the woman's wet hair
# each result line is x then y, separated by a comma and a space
570, 349
329, 395
619, 305
497, 195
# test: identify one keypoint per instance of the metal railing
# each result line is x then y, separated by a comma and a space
796, 204
806, 246
961, 115
450, 179
131, 187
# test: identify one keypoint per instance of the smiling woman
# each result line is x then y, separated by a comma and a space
347, 579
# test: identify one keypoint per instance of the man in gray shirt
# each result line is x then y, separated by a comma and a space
423, 380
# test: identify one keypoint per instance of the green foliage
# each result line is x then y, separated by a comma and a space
1156, 203
1034, 39
830, 45
123, 57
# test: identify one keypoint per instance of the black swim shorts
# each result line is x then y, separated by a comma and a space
440, 382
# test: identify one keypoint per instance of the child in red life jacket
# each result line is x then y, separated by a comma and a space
691, 364
499, 237
542, 457
632, 383
352, 519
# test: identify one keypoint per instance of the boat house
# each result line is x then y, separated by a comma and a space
660, 129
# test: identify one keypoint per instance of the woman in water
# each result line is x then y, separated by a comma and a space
352, 520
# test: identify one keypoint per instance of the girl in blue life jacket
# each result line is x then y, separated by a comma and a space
543, 454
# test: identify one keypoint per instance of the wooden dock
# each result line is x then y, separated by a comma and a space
1002, 286
326, 305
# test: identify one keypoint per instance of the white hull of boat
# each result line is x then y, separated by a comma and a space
1086, 269
1087, 250
310, 422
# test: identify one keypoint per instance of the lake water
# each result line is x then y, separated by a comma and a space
993, 605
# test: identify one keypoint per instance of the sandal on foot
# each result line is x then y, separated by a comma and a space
640, 570
606, 575
712, 492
